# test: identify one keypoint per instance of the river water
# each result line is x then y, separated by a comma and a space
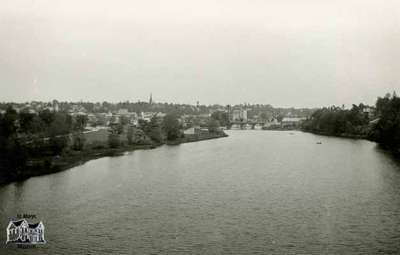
254, 192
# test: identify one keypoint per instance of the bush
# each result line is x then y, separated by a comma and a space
113, 140
78, 141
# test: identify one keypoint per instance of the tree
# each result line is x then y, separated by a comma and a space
78, 126
113, 140
12, 153
213, 125
116, 128
152, 129
25, 122
387, 130
58, 144
100, 120
171, 127
129, 135
221, 117
78, 141
279, 117
113, 136
123, 120
263, 116
80, 122
60, 124
8, 123
13, 157
58, 130
36, 125
46, 116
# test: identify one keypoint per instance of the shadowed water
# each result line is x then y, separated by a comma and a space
255, 192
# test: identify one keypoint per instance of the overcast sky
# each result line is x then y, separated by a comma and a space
307, 53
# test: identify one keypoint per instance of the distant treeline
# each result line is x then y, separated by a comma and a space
337, 121
382, 125
180, 109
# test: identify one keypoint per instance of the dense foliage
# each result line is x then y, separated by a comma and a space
387, 129
382, 126
221, 117
172, 127
26, 135
45, 140
337, 121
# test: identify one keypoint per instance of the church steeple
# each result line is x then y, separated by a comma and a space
151, 98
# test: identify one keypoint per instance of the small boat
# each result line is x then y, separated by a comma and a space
319, 143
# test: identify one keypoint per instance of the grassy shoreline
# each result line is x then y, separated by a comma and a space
343, 135
49, 165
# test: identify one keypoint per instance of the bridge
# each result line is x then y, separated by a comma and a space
242, 124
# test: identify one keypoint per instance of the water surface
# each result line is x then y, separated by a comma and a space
255, 192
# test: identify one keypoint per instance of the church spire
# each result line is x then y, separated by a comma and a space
151, 98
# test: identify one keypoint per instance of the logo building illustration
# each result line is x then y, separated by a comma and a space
23, 232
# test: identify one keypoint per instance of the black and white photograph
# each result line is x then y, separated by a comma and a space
205, 127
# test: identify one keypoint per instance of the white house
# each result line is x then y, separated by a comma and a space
190, 131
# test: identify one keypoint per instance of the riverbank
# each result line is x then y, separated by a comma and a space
50, 164
196, 138
343, 135
395, 152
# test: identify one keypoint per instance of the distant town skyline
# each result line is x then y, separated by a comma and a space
287, 53
152, 101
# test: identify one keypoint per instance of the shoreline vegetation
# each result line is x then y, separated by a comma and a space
50, 165
52, 141
380, 124
47, 140
342, 135
393, 151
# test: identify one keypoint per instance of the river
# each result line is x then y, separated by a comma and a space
254, 192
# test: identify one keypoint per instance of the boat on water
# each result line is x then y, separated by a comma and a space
319, 143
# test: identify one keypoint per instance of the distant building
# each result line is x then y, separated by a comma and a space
190, 131
196, 130
77, 108
123, 111
147, 115
369, 112
239, 115
292, 121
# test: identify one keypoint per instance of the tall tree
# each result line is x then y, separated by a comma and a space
172, 127
213, 125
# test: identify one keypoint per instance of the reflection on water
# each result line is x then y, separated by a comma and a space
253, 192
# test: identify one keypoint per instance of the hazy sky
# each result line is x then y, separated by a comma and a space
285, 52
